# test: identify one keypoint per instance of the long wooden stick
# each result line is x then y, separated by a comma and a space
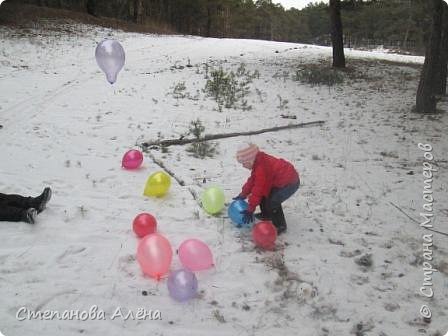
416, 221
174, 176
208, 137
404, 213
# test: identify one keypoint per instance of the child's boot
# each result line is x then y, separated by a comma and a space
265, 213
278, 219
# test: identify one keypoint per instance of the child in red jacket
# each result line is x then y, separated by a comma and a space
272, 181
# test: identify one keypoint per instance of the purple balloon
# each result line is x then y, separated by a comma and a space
110, 57
182, 285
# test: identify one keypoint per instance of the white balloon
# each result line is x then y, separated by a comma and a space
110, 57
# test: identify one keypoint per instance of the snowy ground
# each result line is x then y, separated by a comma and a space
64, 126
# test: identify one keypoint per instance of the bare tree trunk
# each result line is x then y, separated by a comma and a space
408, 26
138, 11
336, 34
209, 19
426, 102
443, 61
91, 7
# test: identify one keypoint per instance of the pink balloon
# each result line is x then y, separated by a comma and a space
195, 255
154, 254
132, 159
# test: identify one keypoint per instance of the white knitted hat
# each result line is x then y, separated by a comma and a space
247, 154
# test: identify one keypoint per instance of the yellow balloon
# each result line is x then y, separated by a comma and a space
157, 184
213, 200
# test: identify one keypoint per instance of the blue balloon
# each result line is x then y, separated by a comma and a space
182, 285
234, 211
110, 57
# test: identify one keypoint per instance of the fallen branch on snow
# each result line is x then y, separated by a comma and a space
182, 141
174, 176
416, 221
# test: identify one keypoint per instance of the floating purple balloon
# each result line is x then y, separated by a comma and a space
182, 285
110, 57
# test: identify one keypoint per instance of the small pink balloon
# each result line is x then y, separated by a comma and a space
195, 255
132, 159
154, 254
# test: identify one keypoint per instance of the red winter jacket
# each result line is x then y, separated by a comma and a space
267, 172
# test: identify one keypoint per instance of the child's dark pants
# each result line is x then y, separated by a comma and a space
271, 206
12, 207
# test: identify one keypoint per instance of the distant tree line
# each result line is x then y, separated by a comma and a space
399, 23
403, 24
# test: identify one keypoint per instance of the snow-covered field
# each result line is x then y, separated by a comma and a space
351, 260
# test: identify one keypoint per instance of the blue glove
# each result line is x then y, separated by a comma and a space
239, 197
248, 217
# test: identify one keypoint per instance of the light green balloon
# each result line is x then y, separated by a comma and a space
213, 200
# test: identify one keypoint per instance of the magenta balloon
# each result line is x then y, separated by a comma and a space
132, 159
154, 254
195, 255
110, 57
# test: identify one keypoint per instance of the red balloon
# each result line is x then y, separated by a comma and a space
264, 235
144, 224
